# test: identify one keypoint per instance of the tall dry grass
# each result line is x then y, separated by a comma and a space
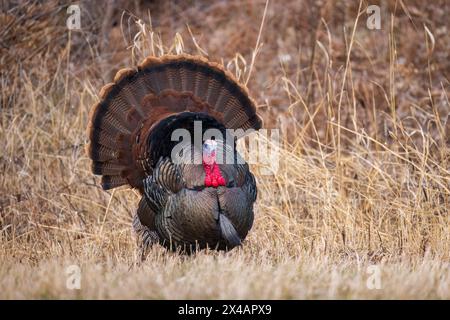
363, 176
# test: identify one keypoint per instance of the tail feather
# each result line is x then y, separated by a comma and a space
107, 168
101, 153
112, 104
187, 76
236, 116
111, 182
162, 78
154, 82
174, 77
214, 90
201, 81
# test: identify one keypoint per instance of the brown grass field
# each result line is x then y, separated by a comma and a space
363, 183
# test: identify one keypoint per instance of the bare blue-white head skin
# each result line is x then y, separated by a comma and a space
209, 151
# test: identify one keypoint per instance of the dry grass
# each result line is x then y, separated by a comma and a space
364, 175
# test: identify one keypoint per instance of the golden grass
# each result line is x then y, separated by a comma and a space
364, 172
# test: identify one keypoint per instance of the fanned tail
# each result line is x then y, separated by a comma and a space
140, 100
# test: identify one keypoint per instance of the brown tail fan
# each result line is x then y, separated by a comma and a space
131, 107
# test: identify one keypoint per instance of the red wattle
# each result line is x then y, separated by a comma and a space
208, 182
213, 176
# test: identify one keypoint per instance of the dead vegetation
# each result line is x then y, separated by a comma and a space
364, 172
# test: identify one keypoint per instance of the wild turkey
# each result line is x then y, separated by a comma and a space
185, 205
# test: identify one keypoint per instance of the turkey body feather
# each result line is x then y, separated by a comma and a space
130, 133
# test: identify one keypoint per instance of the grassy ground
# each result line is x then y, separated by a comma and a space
358, 208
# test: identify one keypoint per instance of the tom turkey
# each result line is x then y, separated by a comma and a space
187, 205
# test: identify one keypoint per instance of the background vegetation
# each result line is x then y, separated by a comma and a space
364, 175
